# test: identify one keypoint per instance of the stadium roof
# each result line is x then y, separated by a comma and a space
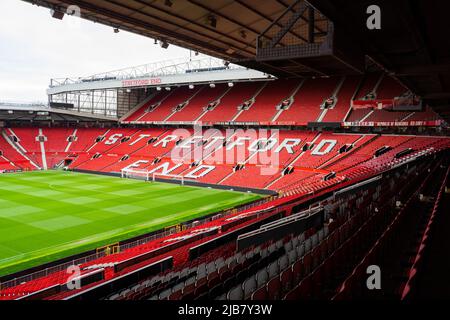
409, 46
11, 112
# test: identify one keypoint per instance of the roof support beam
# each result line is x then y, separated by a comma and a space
178, 25
319, 30
186, 41
204, 7
291, 22
245, 5
245, 44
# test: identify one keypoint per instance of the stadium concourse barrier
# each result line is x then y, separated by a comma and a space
207, 246
296, 223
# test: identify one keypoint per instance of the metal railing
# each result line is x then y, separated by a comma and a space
23, 105
155, 69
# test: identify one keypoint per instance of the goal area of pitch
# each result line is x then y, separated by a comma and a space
149, 176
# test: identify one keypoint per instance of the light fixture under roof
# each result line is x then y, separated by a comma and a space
191, 86
230, 51
230, 84
164, 44
212, 21
212, 85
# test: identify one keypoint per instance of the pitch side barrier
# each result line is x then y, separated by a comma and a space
188, 182
103, 289
212, 244
273, 231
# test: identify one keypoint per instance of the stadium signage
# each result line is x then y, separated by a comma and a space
141, 82
433, 123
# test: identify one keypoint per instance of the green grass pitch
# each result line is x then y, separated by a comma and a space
48, 215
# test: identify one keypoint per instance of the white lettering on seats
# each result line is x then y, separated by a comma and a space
136, 164
266, 144
204, 171
238, 142
213, 141
318, 149
288, 144
165, 141
191, 141
165, 168
141, 136
113, 138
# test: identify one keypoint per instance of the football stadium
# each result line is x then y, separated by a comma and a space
301, 152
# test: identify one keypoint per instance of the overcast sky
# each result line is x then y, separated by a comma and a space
34, 48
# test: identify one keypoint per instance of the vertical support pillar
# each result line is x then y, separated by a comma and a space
311, 23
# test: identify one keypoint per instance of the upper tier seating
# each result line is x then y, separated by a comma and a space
389, 89
196, 106
345, 94
264, 108
357, 115
301, 101
383, 115
307, 101
227, 109
368, 85
166, 108
155, 98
